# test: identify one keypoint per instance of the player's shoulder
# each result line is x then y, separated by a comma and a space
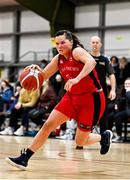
78, 51
56, 58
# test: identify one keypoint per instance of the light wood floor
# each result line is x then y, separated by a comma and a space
60, 160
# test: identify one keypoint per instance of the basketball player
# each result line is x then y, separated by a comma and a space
104, 70
83, 101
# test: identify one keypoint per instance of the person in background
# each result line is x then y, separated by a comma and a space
124, 67
44, 63
26, 101
104, 70
57, 82
121, 116
5, 94
45, 104
5, 98
83, 101
13, 101
115, 64
14, 98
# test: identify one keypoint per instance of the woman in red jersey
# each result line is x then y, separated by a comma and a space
83, 101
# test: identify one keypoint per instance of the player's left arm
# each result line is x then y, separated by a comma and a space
51, 68
83, 56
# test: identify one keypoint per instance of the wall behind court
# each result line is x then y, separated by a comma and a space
114, 27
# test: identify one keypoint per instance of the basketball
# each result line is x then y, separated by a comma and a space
31, 79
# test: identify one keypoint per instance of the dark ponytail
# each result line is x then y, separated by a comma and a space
71, 37
76, 41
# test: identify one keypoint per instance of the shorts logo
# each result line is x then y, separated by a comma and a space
85, 126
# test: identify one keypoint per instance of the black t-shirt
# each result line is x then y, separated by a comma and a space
104, 69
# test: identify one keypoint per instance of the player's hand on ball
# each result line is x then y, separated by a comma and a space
31, 79
33, 66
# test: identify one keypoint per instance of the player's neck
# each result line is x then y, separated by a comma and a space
67, 55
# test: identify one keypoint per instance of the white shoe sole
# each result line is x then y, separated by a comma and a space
15, 165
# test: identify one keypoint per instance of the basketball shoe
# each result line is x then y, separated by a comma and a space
20, 162
106, 139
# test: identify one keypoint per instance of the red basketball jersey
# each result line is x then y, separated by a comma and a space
70, 68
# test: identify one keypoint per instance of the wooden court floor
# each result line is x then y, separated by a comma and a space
58, 159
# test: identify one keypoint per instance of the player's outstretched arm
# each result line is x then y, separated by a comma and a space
49, 70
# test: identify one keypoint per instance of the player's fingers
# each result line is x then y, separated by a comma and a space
33, 66
27, 67
68, 86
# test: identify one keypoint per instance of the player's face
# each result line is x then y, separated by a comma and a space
63, 45
95, 44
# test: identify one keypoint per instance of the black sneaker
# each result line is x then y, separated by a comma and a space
79, 147
20, 162
106, 138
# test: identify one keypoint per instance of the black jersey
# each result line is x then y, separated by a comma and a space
104, 69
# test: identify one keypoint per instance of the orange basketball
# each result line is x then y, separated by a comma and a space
31, 79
